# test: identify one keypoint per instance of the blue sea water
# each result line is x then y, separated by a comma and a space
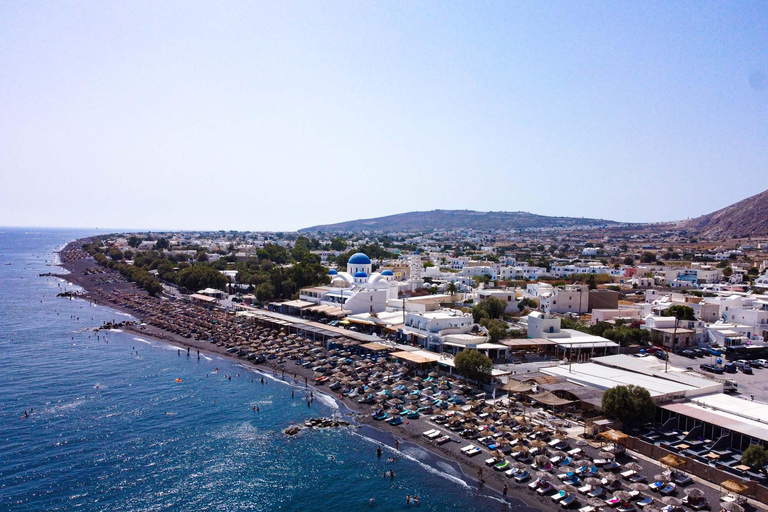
112, 430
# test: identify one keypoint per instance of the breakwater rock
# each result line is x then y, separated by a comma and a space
292, 430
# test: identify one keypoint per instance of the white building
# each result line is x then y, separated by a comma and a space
571, 299
506, 295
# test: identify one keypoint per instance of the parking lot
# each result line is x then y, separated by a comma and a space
755, 384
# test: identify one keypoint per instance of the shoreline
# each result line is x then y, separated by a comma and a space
408, 433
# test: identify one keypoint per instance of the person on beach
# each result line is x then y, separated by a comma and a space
391, 475
407, 499
378, 451
504, 492
416, 499
397, 444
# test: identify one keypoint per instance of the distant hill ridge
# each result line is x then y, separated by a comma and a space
748, 217
458, 219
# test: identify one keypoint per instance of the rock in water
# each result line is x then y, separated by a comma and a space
292, 430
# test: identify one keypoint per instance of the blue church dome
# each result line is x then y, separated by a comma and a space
360, 259
332, 272
360, 274
387, 273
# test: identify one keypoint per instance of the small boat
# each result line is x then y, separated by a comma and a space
413, 415
395, 420
443, 440
379, 415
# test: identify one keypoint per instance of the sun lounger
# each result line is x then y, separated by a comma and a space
644, 502
667, 489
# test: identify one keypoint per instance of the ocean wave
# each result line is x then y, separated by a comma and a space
448, 476
143, 340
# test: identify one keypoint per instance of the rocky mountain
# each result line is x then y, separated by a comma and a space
459, 219
748, 217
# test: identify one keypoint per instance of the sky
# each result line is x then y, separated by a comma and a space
283, 115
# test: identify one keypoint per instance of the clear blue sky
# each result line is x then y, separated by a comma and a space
281, 115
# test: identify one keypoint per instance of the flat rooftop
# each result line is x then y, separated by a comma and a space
606, 377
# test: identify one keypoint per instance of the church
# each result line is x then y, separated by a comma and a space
358, 290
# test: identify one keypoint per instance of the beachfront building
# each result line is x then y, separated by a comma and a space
570, 342
427, 325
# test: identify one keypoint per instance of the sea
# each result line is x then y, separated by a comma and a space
111, 421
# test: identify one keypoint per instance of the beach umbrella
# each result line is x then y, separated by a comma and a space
622, 495
610, 478
597, 503
538, 443
661, 477
582, 463
594, 482
519, 448
561, 435
634, 466
582, 442
639, 487
671, 500
543, 474
694, 492
569, 489
651, 508
540, 460
731, 506
605, 455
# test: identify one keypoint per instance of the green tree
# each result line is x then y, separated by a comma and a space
755, 456
265, 292
497, 329
681, 312
629, 261
648, 257
488, 308
473, 365
630, 404
591, 282
451, 287
162, 243
115, 253
338, 244
134, 241
727, 272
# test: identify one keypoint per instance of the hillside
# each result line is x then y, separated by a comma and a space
748, 217
458, 219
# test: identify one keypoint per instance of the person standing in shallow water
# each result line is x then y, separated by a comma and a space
378, 451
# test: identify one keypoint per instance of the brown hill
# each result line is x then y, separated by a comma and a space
459, 219
748, 217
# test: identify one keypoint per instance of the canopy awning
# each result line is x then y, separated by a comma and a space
672, 461
549, 398
516, 387
614, 436
734, 486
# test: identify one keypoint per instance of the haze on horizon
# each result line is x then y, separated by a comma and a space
282, 115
